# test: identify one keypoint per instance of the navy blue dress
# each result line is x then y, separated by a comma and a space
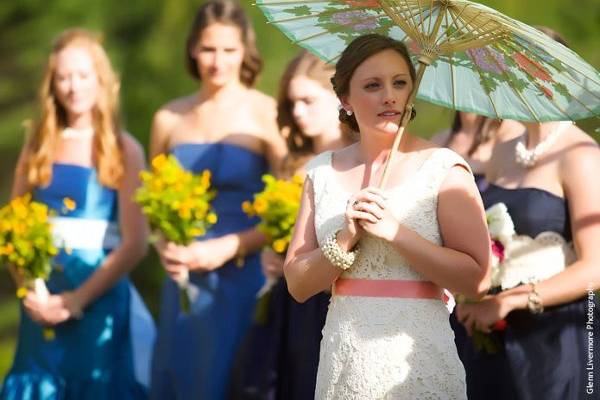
543, 356
194, 352
280, 356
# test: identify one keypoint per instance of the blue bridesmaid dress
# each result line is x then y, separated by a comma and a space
542, 356
91, 358
194, 352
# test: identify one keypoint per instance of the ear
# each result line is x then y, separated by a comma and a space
345, 104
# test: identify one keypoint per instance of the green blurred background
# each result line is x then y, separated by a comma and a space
145, 40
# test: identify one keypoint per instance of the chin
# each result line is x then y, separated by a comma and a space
311, 133
218, 81
389, 129
79, 109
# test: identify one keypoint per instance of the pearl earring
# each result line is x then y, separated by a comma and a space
348, 112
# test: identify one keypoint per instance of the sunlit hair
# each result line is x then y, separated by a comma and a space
107, 146
354, 55
227, 12
552, 34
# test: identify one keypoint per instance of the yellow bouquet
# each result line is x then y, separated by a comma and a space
26, 246
277, 207
177, 204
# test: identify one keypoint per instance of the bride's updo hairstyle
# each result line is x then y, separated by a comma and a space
353, 56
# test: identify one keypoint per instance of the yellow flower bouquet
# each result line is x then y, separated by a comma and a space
177, 204
277, 207
26, 246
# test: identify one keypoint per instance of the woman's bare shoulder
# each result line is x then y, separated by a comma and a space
172, 112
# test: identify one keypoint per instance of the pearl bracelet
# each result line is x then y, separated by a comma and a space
335, 254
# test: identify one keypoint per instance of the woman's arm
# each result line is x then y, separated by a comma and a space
134, 234
162, 123
306, 269
461, 264
582, 190
583, 193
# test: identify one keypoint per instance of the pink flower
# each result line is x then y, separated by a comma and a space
356, 19
488, 59
532, 67
500, 325
547, 92
498, 249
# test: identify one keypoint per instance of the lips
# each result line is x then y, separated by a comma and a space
390, 113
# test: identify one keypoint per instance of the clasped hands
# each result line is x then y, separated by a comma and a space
54, 309
200, 256
368, 211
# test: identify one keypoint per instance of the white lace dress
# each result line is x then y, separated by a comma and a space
387, 348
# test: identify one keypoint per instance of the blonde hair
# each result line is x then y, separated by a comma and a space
107, 144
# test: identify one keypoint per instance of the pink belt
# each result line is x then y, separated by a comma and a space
387, 288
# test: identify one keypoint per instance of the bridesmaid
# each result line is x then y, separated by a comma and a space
474, 136
230, 129
78, 151
546, 178
308, 119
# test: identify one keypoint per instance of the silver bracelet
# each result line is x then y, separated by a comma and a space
335, 254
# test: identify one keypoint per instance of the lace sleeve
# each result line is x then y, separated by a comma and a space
444, 160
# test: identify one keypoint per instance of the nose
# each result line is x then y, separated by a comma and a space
74, 83
298, 110
216, 60
388, 96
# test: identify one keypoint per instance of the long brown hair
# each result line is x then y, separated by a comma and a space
227, 12
353, 56
107, 146
299, 145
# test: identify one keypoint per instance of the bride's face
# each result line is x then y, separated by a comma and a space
379, 89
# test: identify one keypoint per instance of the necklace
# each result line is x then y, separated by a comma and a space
72, 133
528, 158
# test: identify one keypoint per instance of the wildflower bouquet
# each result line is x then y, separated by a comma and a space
277, 207
177, 204
26, 246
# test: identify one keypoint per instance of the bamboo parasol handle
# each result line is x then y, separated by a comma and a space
403, 124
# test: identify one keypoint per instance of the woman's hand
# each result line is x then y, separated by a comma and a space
201, 256
374, 215
484, 314
364, 206
46, 312
272, 264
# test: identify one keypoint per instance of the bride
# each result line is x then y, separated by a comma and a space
387, 253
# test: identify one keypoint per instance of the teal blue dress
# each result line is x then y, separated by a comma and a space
194, 352
91, 358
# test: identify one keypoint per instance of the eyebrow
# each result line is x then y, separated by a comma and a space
378, 77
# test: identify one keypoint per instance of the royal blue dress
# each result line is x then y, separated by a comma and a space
91, 358
544, 356
194, 352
